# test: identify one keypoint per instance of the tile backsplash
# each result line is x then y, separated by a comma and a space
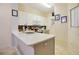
35, 28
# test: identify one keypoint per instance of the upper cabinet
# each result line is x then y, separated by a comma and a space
30, 19
38, 20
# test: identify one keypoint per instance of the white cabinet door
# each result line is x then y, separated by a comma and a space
30, 19
14, 41
42, 20
21, 47
23, 18
38, 20
26, 18
25, 49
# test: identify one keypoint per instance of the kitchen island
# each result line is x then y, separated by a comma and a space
33, 43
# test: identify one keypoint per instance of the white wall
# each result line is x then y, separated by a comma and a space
5, 25
60, 30
73, 34
14, 20
66, 36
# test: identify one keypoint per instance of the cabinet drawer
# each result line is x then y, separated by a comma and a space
45, 48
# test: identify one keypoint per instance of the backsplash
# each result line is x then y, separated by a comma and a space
35, 28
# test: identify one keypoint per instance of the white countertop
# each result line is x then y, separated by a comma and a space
32, 39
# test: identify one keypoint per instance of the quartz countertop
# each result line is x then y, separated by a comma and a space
32, 38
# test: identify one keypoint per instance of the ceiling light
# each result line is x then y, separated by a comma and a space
46, 5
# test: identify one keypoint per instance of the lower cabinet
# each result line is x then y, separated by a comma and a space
25, 49
45, 48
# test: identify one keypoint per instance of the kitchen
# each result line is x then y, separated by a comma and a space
32, 36
38, 29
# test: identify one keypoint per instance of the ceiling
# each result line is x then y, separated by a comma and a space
40, 7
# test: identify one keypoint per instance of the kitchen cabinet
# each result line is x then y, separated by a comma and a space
45, 48
39, 20
30, 19
34, 44
21, 47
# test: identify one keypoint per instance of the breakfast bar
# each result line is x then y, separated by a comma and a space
33, 43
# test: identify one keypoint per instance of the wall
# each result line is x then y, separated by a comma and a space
60, 30
67, 37
14, 20
5, 28
73, 34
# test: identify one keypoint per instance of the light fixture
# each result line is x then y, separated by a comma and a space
46, 5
